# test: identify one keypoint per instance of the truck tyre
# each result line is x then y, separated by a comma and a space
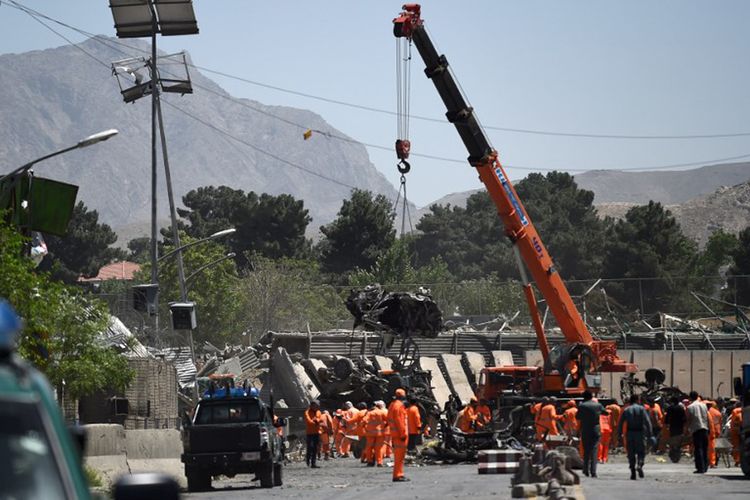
265, 474
278, 476
198, 481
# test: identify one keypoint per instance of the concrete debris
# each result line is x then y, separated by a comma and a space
441, 393
292, 380
456, 377
473, 363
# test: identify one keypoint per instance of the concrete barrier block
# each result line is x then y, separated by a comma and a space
313, 365
682, 370
663, 361
170, 466
644, 360
721, 374
473, 363
534, 358
153, 444
701, 373
382, 363
292, 381
502, 358
456, 377
104, 439
109, 467
440, 390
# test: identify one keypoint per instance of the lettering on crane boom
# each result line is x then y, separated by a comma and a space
512, 196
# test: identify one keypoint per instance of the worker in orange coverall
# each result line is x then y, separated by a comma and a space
570, 424
376, 424
614, 411
484, 414
338, 432
735, 424
312, 427
467, 417
326, 432
605, 427
548, 418
415, 425
346, 415
714, 431
536, 411
399, 430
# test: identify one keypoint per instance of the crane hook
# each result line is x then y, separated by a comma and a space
403, 167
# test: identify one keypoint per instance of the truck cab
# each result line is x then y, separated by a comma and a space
231, 432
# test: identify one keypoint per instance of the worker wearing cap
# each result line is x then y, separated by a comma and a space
326, 432
346, 415
399, 430
312, 427
376, 423
714, 431
570, 424
415, 424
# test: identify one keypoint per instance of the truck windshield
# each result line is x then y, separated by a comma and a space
228, 412
28, 468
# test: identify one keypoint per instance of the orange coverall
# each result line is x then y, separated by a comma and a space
547, 420
325, 431
570, 424
536, 410
466, 419
714, 431
614, 412
375, 424
399, 429
415, 423
347, 426
605, 424
735, 423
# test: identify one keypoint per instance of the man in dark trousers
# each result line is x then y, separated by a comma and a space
675, 419
588, 416
312, 427
697, 422
638, 421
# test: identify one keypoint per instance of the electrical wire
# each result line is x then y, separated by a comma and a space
18, 5
36, 14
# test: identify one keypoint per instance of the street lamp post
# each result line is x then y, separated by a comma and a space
88, 141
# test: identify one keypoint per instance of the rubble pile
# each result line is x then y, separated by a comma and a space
400, 312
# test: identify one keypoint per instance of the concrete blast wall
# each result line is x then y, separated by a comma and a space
440, 390
456, 377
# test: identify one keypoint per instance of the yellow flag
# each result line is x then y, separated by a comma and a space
307, 134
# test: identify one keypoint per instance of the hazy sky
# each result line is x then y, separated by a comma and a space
635, 67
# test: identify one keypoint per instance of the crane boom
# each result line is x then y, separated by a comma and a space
518, 226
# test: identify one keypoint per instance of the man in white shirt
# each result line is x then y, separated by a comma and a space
697, 422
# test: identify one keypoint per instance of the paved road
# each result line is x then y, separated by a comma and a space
347, 479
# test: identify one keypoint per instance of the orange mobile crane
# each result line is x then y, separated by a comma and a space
569, 368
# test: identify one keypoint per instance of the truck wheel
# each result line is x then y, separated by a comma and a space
198, 481
265, 474
278, 477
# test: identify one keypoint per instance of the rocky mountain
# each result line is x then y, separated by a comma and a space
727, 208
666, 187
53, 98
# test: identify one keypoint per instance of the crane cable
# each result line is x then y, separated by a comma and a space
403, 146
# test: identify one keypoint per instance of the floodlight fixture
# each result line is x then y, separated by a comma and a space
131, 74
143, 18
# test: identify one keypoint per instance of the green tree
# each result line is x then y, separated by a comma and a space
61, 325
739, 287
267, 225
140, 249
470, 240
361, 232
394, 267
285, 294
566, 219
648, 243
84, 249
